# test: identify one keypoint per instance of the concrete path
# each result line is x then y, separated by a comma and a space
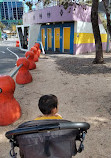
84, 94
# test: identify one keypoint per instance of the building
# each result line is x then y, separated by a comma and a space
11, 12
63, 30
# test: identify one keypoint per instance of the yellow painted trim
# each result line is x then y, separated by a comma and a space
81, 38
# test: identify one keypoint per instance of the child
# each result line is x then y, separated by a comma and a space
48, 105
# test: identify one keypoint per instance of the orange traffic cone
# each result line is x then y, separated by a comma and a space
17, 43
10, 110
34, 49
30, 56
23, 76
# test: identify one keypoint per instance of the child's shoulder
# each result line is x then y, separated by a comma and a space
43, 117
58, 115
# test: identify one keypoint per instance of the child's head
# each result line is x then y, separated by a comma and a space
48, 104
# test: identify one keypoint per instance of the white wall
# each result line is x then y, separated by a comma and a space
86, 27
33, 34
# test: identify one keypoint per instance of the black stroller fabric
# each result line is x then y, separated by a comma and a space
49, 144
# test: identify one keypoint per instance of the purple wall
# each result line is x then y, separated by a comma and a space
84, 48
58, 14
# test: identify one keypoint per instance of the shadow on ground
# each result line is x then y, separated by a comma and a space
77, 65
107, 100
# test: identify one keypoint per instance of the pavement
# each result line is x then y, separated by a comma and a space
84, 94
8, 55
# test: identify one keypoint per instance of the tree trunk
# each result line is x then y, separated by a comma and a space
108, 16
95, 25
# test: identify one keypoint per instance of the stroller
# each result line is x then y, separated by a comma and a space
48, 138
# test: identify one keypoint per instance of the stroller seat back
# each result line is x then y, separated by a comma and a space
47, 138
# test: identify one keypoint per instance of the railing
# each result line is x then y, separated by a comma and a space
17, 69
12, 75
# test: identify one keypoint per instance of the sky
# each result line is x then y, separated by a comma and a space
26, 7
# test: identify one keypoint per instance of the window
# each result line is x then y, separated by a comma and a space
19, 10
2, 12
14, 10
10, 11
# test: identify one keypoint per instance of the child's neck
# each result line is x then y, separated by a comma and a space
50, 115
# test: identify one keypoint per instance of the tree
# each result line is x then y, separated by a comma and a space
107, 15
95, 25
29, 4
2, 26
96, 31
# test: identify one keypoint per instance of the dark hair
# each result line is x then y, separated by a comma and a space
47, 103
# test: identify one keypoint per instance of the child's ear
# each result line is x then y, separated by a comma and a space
54, 111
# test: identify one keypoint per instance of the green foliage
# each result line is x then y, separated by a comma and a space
12, 27
20, 23
88, 1
2, 26
104, 21
46, 2
65, 3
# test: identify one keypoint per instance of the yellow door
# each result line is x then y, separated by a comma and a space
66, 38
57, 38
49, 34
43, 37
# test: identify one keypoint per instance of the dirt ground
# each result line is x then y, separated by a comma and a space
83, 91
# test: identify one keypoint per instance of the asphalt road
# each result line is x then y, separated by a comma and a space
9, 54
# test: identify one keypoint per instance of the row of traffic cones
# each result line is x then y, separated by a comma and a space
10, 110
23, 76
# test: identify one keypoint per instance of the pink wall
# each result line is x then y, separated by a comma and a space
58, 14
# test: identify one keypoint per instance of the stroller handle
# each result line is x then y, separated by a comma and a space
82, 126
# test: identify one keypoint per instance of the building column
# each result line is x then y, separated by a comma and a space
16, 11
4, 10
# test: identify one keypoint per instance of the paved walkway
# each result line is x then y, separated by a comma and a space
84, 93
